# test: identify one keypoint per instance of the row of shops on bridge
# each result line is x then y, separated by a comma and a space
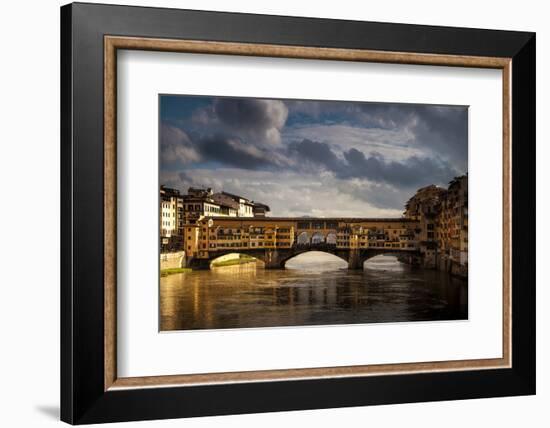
219, 234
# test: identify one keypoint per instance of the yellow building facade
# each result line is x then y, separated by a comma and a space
216, 234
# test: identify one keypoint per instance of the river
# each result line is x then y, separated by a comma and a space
314, 289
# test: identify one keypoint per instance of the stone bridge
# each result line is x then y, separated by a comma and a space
277, 258
275, 240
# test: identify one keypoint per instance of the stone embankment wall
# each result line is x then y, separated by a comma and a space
453, 267
430, 260
172, 260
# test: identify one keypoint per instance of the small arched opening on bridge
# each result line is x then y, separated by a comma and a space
303, 238
236, 259
317, 238
331, 238
316, 261
389, 262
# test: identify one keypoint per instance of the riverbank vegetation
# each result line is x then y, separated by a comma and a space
242, 259
171, 271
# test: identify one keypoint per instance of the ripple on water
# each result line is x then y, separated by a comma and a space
314, 289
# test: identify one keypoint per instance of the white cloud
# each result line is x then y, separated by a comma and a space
392, 144
291, 194
176, 146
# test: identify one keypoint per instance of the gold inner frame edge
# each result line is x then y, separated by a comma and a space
113, 43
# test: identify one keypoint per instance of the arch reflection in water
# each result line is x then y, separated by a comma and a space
316, 261
315, 289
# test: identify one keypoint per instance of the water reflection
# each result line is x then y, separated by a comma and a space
315, 289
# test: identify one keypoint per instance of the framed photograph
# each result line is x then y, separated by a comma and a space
267, 213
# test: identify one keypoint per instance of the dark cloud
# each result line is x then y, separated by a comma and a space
412, 172
441, 129
312, 156
236, 132
381, 195
314, 152
368, 115
445, 131
185, 178
233, 152
251, 112
421, 144
176, 146
257, 120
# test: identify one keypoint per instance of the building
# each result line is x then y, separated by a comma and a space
171, 218
223, 234
243, 205
425, 201
260, 210
209, 235
443, 217
204, 203
453, 225
178, 211
424, 206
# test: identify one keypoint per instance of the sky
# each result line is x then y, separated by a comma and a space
311, 158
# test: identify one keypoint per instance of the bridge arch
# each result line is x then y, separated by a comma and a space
372, 253
297, 254
303, 238
317, 238
387, 262
331, 238
226, 258
276, 258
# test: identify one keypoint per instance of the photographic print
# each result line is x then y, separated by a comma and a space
283, 212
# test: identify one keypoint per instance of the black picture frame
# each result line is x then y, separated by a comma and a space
83, 398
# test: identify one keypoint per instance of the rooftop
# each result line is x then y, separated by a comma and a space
236, 197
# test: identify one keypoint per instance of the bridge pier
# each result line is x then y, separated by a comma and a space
355, 261
273, 260
197, 264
